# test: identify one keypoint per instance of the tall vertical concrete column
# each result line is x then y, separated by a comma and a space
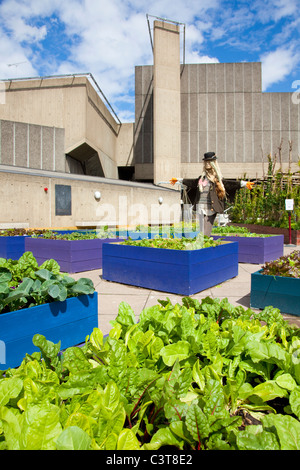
166, 103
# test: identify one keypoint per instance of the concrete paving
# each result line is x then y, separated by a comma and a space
111, 294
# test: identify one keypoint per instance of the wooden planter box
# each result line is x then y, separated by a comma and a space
183, 272
69, 322
257, 250
278, 291
73, 256
273, 231
12, 247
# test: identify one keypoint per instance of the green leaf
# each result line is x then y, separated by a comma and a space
111, 396
83, 286
58, 292
164, 437
295, 402
44, 274
286, 381
125, 315
287, 429
261, 440
198, 377
268, 352
75, 360
41, 427
73, 438
11, 423
179, 350
268, 391
127, 441
5, 275
197, 423
51, 265
9, 388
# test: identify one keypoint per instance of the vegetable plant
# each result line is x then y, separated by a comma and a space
92, 235
197, 375
265, 203
14, 232
236, 231
287, 266
196, 243
24, 284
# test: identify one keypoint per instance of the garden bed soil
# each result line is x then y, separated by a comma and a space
183, 272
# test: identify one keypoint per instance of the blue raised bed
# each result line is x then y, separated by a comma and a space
257, 250
69, 322
278, 291
12, 247
73, 256
183, 272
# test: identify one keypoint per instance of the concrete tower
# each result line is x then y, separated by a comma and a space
166, 101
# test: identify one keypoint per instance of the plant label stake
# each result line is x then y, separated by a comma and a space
289, 206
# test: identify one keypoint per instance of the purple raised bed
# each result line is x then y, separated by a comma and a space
73, 256
257, 250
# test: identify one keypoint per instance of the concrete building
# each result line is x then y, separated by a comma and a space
222, 109
60, 133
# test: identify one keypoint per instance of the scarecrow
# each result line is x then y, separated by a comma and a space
209, 191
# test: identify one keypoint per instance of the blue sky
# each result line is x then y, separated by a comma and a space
109, 37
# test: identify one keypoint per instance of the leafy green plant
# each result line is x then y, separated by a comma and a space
15, 232
24, 284
196, 243
287, 266
26, 266
195, 376
92, 235
265, 203
232, 230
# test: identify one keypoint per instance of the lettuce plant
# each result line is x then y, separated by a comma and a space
194, 376
287, 266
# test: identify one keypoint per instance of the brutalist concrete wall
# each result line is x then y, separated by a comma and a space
143, 129
223, 109
73, 104
32, 146
47, 199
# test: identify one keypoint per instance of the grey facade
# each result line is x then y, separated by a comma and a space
223, 109
32, 146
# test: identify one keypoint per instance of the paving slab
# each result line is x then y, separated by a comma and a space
111, 294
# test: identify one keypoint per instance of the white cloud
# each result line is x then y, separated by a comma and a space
194, 57
277, 65
108, 38
14, 61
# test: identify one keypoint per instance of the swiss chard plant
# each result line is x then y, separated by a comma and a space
24, 284
194, 376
